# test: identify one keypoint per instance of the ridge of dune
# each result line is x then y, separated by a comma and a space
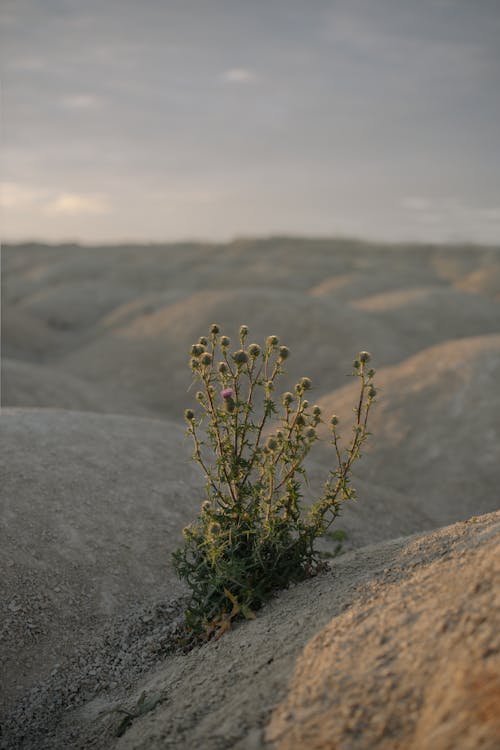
30, 385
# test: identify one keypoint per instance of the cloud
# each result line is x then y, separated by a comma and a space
416, 203
80, 101
13, 195
241, 76
74, 204
27, 64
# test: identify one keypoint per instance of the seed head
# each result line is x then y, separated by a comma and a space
280, 434
371, 372
272, 341
224, 342
189, 415
194, 363
364, 357
203, 340
305, 383
240, 357
284, 352
243, 331
223, 368
310, 433
334, 420
300, 420
316, 411
197, 349
214, 329
305, 403
200, 396
372, 392
356, 364
229, 404
206, 359
272, 443
287, 398
254, 350
214, 528
205, 506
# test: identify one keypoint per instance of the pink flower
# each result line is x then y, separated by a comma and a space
226, 393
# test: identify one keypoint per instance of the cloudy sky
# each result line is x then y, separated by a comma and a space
170, 119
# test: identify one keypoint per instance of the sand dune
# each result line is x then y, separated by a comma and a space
435, 427
379, 651
26, 384
148, 355
484, 280
92, 506
353, 678
94, 495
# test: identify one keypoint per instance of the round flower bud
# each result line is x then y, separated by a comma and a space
371, 372
214, 328
356, 364
193, 363
203, 340
205, 506
280, 434
243, 331
316, 411
269, 385
223, 368
214, 528
334, 420
372, 392
364, 357
206, 359
229, 404
310, 433
200, 396
272, 341
305, 383
227, 393
197, 349
224, 341
189, 415
240, 357
305, 403
254, 350
300, 420
284, 352
287, 398
272, 443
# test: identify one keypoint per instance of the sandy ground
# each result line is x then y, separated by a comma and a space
96, 485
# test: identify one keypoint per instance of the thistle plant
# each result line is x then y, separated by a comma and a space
253, 536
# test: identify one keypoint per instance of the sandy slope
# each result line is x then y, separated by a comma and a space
92, 503
92, 507
27, 384
355, 658
435, 427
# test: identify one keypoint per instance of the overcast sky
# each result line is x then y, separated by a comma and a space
170, 119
